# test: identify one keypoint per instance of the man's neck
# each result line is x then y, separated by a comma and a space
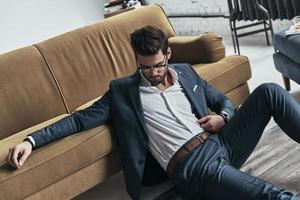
166, 83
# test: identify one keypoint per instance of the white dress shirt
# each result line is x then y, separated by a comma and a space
168, 117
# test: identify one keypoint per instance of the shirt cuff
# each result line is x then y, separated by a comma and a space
31, 140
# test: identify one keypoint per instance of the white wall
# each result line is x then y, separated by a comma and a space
25, 22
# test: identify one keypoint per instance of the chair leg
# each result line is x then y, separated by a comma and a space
236, 38
233, 39
287, 84
232, 33
266, 32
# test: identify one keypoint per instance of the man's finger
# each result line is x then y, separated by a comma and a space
206, 125
203, 119
8, 156
14, 157
24, 157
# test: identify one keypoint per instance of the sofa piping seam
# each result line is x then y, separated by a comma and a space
53, 76
174, 32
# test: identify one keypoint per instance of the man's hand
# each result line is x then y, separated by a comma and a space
18, 154
211, 123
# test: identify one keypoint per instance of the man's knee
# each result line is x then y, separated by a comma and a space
269, 88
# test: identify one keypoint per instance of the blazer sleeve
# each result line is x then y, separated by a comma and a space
216, 101
93, 116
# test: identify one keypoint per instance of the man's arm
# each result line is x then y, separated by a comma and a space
93, 116
215, 100
218, 103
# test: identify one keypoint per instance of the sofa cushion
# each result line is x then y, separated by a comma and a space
205, 48
83, 61
53, 162
82, 180
238, 95
226, 74
289, 46
29, 94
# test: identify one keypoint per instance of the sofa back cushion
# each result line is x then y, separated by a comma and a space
84, 61
28, 92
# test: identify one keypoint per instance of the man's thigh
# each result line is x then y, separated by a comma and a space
242, 133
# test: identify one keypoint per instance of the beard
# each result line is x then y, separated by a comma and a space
156, 80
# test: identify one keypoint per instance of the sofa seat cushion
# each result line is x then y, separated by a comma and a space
226, 74
288, 46
53, 162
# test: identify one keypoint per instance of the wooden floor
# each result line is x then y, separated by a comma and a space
276, 159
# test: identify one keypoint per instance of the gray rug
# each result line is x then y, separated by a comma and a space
276, 159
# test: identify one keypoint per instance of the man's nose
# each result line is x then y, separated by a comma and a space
153, 71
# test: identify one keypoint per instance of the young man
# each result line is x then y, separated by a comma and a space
160, 115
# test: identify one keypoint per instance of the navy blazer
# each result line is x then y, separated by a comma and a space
121, 107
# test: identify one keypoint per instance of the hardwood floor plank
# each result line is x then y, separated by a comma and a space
276, 159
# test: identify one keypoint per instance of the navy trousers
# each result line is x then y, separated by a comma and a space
211, 171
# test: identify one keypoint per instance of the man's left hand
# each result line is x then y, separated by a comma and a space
211, 123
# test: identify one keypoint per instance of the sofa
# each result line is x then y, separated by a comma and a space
44, 82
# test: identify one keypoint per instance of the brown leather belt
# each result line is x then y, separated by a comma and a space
185, 149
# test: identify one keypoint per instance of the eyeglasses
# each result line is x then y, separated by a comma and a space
158, 67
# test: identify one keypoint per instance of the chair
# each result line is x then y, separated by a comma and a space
249, 10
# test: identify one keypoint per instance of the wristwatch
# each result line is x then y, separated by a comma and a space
225, 116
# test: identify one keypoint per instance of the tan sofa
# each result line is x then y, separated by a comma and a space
42, 83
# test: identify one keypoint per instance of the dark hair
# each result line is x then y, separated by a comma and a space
148, 41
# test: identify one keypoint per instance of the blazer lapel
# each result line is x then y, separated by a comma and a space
134, 94
192, 91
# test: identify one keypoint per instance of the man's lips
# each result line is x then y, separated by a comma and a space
154, 77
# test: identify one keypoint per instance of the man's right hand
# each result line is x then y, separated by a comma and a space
18, 154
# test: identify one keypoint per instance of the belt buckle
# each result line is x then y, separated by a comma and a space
199, 138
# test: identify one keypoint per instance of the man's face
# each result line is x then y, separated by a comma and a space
154, 67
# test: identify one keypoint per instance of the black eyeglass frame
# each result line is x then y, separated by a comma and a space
157, 66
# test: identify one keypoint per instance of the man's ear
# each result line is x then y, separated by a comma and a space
169, 52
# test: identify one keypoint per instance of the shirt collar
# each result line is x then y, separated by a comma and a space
145, 83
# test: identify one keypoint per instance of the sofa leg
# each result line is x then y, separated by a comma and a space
287, 84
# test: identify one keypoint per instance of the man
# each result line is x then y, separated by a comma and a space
160, 115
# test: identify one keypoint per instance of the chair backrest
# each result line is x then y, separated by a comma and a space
251, 9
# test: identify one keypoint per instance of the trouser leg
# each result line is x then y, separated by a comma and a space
205, 174
231, 183
215, 175
242, 133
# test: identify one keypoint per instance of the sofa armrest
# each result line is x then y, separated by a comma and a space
205, 48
